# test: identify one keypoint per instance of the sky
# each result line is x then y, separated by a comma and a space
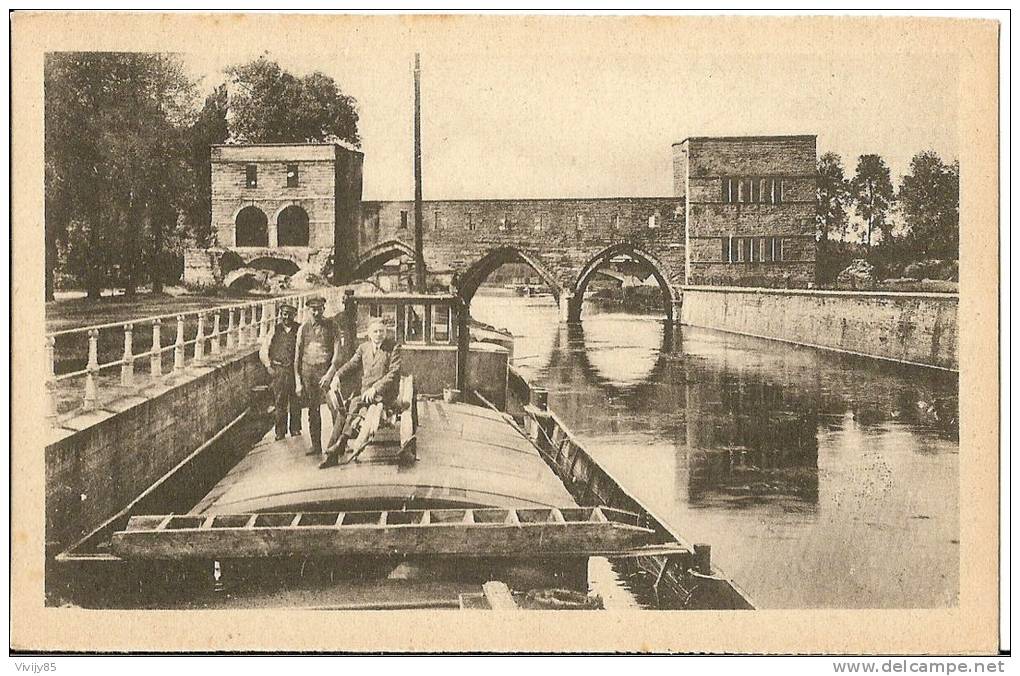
594, 115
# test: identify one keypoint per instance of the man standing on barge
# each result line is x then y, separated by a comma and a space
277, 354
318, 353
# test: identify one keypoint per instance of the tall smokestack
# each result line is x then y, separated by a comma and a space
419, 253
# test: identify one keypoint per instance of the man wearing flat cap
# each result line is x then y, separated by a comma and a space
378, 358
317, 357
277, 354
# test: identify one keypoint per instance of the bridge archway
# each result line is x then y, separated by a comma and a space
279, 266
671, 297
373, 260
474, 276
251, 227
292, 226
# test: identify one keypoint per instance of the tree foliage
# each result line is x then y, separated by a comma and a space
210, 128
833, 194
872, 191
116, 176
929, 198
270, 105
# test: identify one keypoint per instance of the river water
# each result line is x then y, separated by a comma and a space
819, 479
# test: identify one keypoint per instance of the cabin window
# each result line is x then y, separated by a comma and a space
615, 222
403, 220
440, 323
504, 223
435, 225
375, 310
471, 221
251, 175
653, 220
292, 176
539, 222
414, 326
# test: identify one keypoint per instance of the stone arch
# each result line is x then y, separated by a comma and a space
473, 277
372, 260
292, 226
275, 264
251, 227
671, 295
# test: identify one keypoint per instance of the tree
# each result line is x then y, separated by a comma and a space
270, 105
872, 191
833, 194
210, 127
930, 202
116, 176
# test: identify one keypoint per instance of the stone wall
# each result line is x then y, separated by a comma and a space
558, 236
780, 206
914, 328
96, 471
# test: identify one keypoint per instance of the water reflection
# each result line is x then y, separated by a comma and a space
820, 479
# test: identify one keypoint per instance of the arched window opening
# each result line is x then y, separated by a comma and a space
250, 228
292, 227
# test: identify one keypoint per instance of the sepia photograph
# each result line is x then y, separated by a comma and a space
626, 318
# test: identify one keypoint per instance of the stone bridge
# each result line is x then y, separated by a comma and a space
565, 242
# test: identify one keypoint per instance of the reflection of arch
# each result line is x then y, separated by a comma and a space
292, 226
251, 227
279, 266
569, 351
372, 260
670, 295
485, 266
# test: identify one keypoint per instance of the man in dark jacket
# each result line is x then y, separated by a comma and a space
277, 354
379, 361
316, 358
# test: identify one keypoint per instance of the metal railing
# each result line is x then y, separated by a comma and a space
216, 332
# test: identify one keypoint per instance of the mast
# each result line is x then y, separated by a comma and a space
419, 254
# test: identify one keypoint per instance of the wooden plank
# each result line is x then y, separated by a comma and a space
453, 539
498, 595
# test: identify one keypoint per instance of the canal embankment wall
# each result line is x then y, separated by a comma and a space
914, 328
101, 460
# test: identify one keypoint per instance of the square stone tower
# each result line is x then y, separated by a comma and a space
293, 202
750, 204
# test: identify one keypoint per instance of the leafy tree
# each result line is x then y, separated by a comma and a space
116, 175
210, 127
833, 194
270, 105
930, 202
872, 191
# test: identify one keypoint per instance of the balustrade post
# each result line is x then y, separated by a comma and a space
156, 359
215, 344
242, 326
263, 326
231, 334
253, 324
51, 376
127, 365
200, 338
179, 346
91, 388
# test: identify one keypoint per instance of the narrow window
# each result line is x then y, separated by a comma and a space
755, 190
292, 176
539, 222
403, 220
729, 252
440, 323
779, 249
504, 223
414, 326
753, 250
746, 189
251, 175
616, 221
725, 249
763, 254
732, 189
740, 250
725, 183
471, 221
436, 223
779, 191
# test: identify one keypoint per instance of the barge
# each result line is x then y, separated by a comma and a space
472, 494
